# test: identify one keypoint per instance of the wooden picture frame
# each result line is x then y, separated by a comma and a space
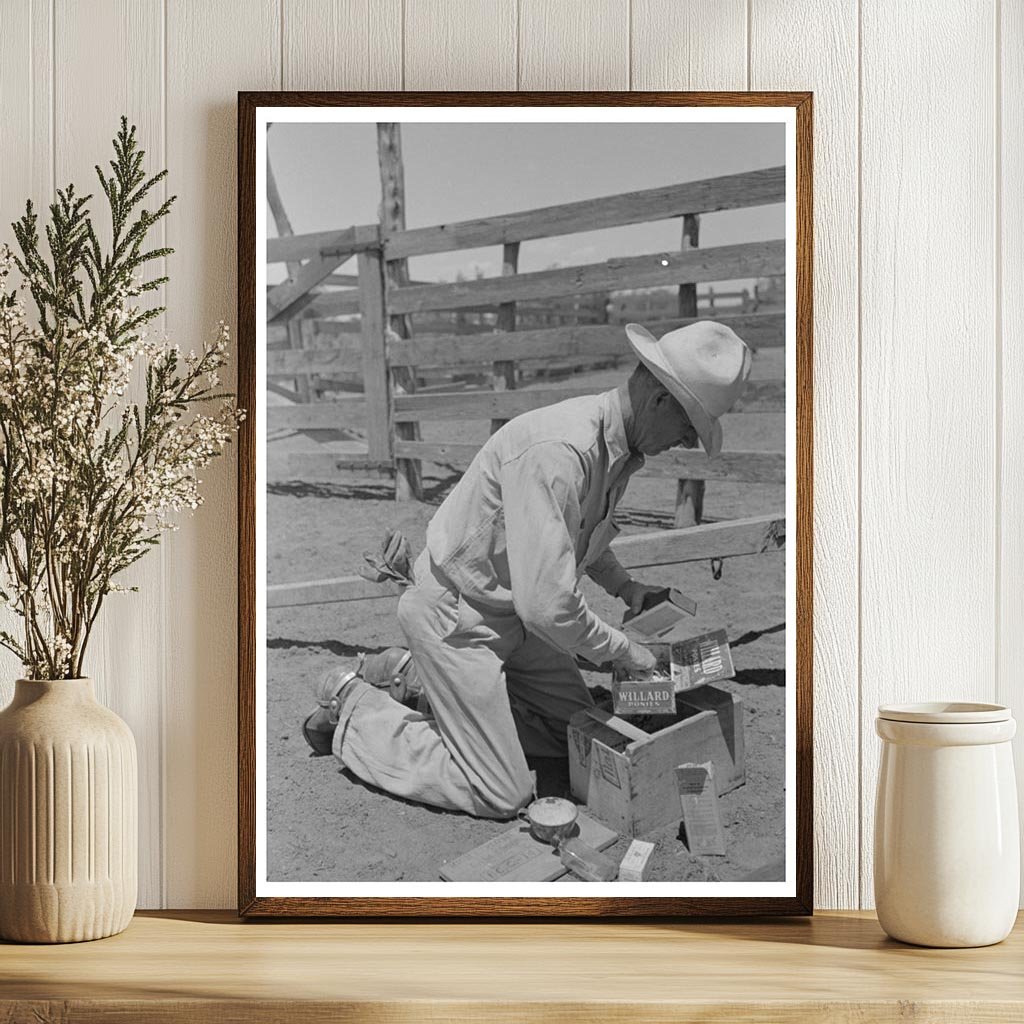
253, 902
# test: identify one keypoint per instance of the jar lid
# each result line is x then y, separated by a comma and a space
945, 713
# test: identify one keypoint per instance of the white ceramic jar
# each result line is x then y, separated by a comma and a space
947, 847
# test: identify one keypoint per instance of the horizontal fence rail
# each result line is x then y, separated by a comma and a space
760, 396
323, 244
721, 263
346, 303
729, 192
759, 330
735, 538
744, 467
340, 351
350, 413
343, 355
339, 347
341, 588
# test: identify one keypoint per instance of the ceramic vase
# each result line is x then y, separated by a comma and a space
68, 815
947, 847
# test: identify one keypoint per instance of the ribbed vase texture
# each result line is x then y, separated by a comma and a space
68, 815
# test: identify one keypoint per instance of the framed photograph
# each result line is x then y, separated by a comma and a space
525, 504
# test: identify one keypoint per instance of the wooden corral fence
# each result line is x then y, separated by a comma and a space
389, 332
757, 535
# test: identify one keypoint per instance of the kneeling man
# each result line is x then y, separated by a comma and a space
495, 619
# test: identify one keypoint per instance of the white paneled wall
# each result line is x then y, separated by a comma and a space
919, 295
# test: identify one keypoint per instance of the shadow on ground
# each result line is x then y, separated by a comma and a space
338, 647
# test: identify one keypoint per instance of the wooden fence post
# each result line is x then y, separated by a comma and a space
689, 493
376, 383
294, 328
408, 472
504, 375
284, 229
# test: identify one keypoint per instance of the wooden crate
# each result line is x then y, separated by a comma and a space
626, 775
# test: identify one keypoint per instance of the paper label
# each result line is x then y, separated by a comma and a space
644, 697
702, 659
607, 765
699, 800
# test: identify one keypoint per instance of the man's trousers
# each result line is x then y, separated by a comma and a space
496, 693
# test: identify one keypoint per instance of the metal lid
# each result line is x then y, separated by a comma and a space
945, 713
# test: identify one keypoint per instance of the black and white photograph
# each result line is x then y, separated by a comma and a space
524, 457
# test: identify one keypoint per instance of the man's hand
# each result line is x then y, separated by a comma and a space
640, 596
637, 662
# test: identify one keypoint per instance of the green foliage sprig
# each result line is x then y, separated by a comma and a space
89, 477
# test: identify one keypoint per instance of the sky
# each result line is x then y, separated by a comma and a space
327, 176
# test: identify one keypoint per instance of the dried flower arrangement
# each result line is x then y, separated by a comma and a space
89, 478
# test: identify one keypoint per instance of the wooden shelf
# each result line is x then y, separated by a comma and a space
209, 967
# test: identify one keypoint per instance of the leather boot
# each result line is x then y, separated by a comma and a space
392, 670
318, 728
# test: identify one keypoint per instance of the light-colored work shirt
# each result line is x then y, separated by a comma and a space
533, 512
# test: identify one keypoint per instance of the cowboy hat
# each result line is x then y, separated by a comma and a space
704, 366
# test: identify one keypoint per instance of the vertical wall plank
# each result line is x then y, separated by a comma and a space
825, 60
699, 44
460, 44
26, 122
26, 107
124, 660
928, 406
574, 44
213, 50
928, 445
1010, 681
342, 44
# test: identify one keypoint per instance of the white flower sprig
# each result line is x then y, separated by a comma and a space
88, 477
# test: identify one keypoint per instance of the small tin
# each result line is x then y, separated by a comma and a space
635, 864
643, 697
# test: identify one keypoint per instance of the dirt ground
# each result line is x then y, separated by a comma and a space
323, 824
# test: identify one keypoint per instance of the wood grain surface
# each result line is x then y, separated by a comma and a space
748, 466
1009, 271
465, 45
918, 161
928, 368
831, 71
701, 44
341, 44
574, 44
130, 672
227, 46
207, 967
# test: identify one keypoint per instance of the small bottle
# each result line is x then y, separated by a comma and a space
587, 863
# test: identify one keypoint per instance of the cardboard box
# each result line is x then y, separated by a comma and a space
700, 660
626, 774
663, 620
